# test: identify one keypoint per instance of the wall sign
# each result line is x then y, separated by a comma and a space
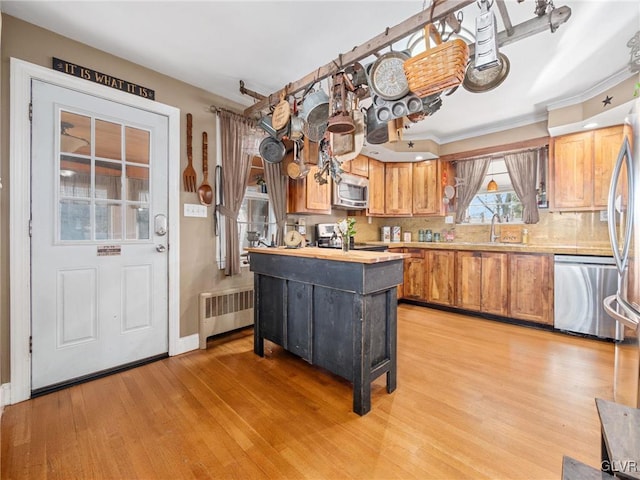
102, 78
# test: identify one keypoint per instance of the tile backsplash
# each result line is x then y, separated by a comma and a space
557, 228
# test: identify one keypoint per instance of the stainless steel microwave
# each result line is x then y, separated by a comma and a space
352, 192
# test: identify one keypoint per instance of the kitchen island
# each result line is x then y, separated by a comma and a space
333, 309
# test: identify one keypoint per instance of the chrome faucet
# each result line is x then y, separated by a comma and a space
493, 234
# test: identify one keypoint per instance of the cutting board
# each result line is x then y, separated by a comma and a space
511, 233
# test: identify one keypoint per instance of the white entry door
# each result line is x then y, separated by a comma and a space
99, 235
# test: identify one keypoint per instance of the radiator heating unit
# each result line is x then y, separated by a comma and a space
224, 311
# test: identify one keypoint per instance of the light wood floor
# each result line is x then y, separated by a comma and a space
476, 399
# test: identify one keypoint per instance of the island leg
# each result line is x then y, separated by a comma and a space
392, 330
361, 360
258, 340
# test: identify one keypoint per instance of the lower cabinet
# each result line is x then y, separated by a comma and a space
531, 287
440, 277
482, 282
507, 284
414, 274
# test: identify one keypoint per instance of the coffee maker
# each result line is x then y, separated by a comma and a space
327, 237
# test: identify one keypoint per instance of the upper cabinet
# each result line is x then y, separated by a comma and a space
581, 165
357, 166
376, 188
427, 188
308, 196
404, 189
397, 193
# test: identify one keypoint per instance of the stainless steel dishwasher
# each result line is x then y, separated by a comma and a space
580, 285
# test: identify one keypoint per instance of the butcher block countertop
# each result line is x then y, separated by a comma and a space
601, 249
336, 255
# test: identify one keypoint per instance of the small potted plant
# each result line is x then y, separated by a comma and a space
346, 228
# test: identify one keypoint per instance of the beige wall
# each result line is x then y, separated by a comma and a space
197, 253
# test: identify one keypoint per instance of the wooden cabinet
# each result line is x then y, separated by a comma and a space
469, 280
426, 188
414, 274
482, 282
376, 188
357, 166
397, 193
606, 146
440, 276
308, 196
531, 287
581, 166
495, 283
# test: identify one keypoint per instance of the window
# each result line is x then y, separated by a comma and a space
503, 201
256, 225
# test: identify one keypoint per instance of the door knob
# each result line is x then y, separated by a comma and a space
161, 248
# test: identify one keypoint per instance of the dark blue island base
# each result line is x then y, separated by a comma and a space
334, 310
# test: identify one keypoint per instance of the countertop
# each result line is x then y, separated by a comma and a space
598, 249
336, 255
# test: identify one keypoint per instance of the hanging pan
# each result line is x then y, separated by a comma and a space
315, 113
377, 131
478, 81
272, 150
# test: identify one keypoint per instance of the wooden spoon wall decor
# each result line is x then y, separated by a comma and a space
205, 192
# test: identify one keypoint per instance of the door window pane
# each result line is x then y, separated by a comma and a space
98, 175
75, 177
137, 184
108, 140
137, 223
108, 180
75, 133
108, 221
137, 145
75, 220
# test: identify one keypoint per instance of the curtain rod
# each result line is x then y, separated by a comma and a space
496, 155
215, 110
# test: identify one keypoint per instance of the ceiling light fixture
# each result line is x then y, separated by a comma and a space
492, 186
590, 125
70, 143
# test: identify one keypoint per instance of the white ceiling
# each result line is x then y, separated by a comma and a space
215, 44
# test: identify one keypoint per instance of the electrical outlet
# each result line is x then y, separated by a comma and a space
194, 210
448, 219
604, 215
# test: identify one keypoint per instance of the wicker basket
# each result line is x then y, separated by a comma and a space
438, 68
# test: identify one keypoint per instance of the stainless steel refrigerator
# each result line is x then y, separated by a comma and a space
624, 233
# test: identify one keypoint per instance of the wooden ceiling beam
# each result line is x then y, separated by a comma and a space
383, 40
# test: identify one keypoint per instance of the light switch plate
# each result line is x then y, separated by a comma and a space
448, 219
604, 215
194, 210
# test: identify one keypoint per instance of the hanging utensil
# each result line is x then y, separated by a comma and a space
189, 177
281, 113
486, 53
297, 169
205, 192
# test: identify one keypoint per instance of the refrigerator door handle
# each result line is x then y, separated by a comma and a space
621, 257
629, 317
